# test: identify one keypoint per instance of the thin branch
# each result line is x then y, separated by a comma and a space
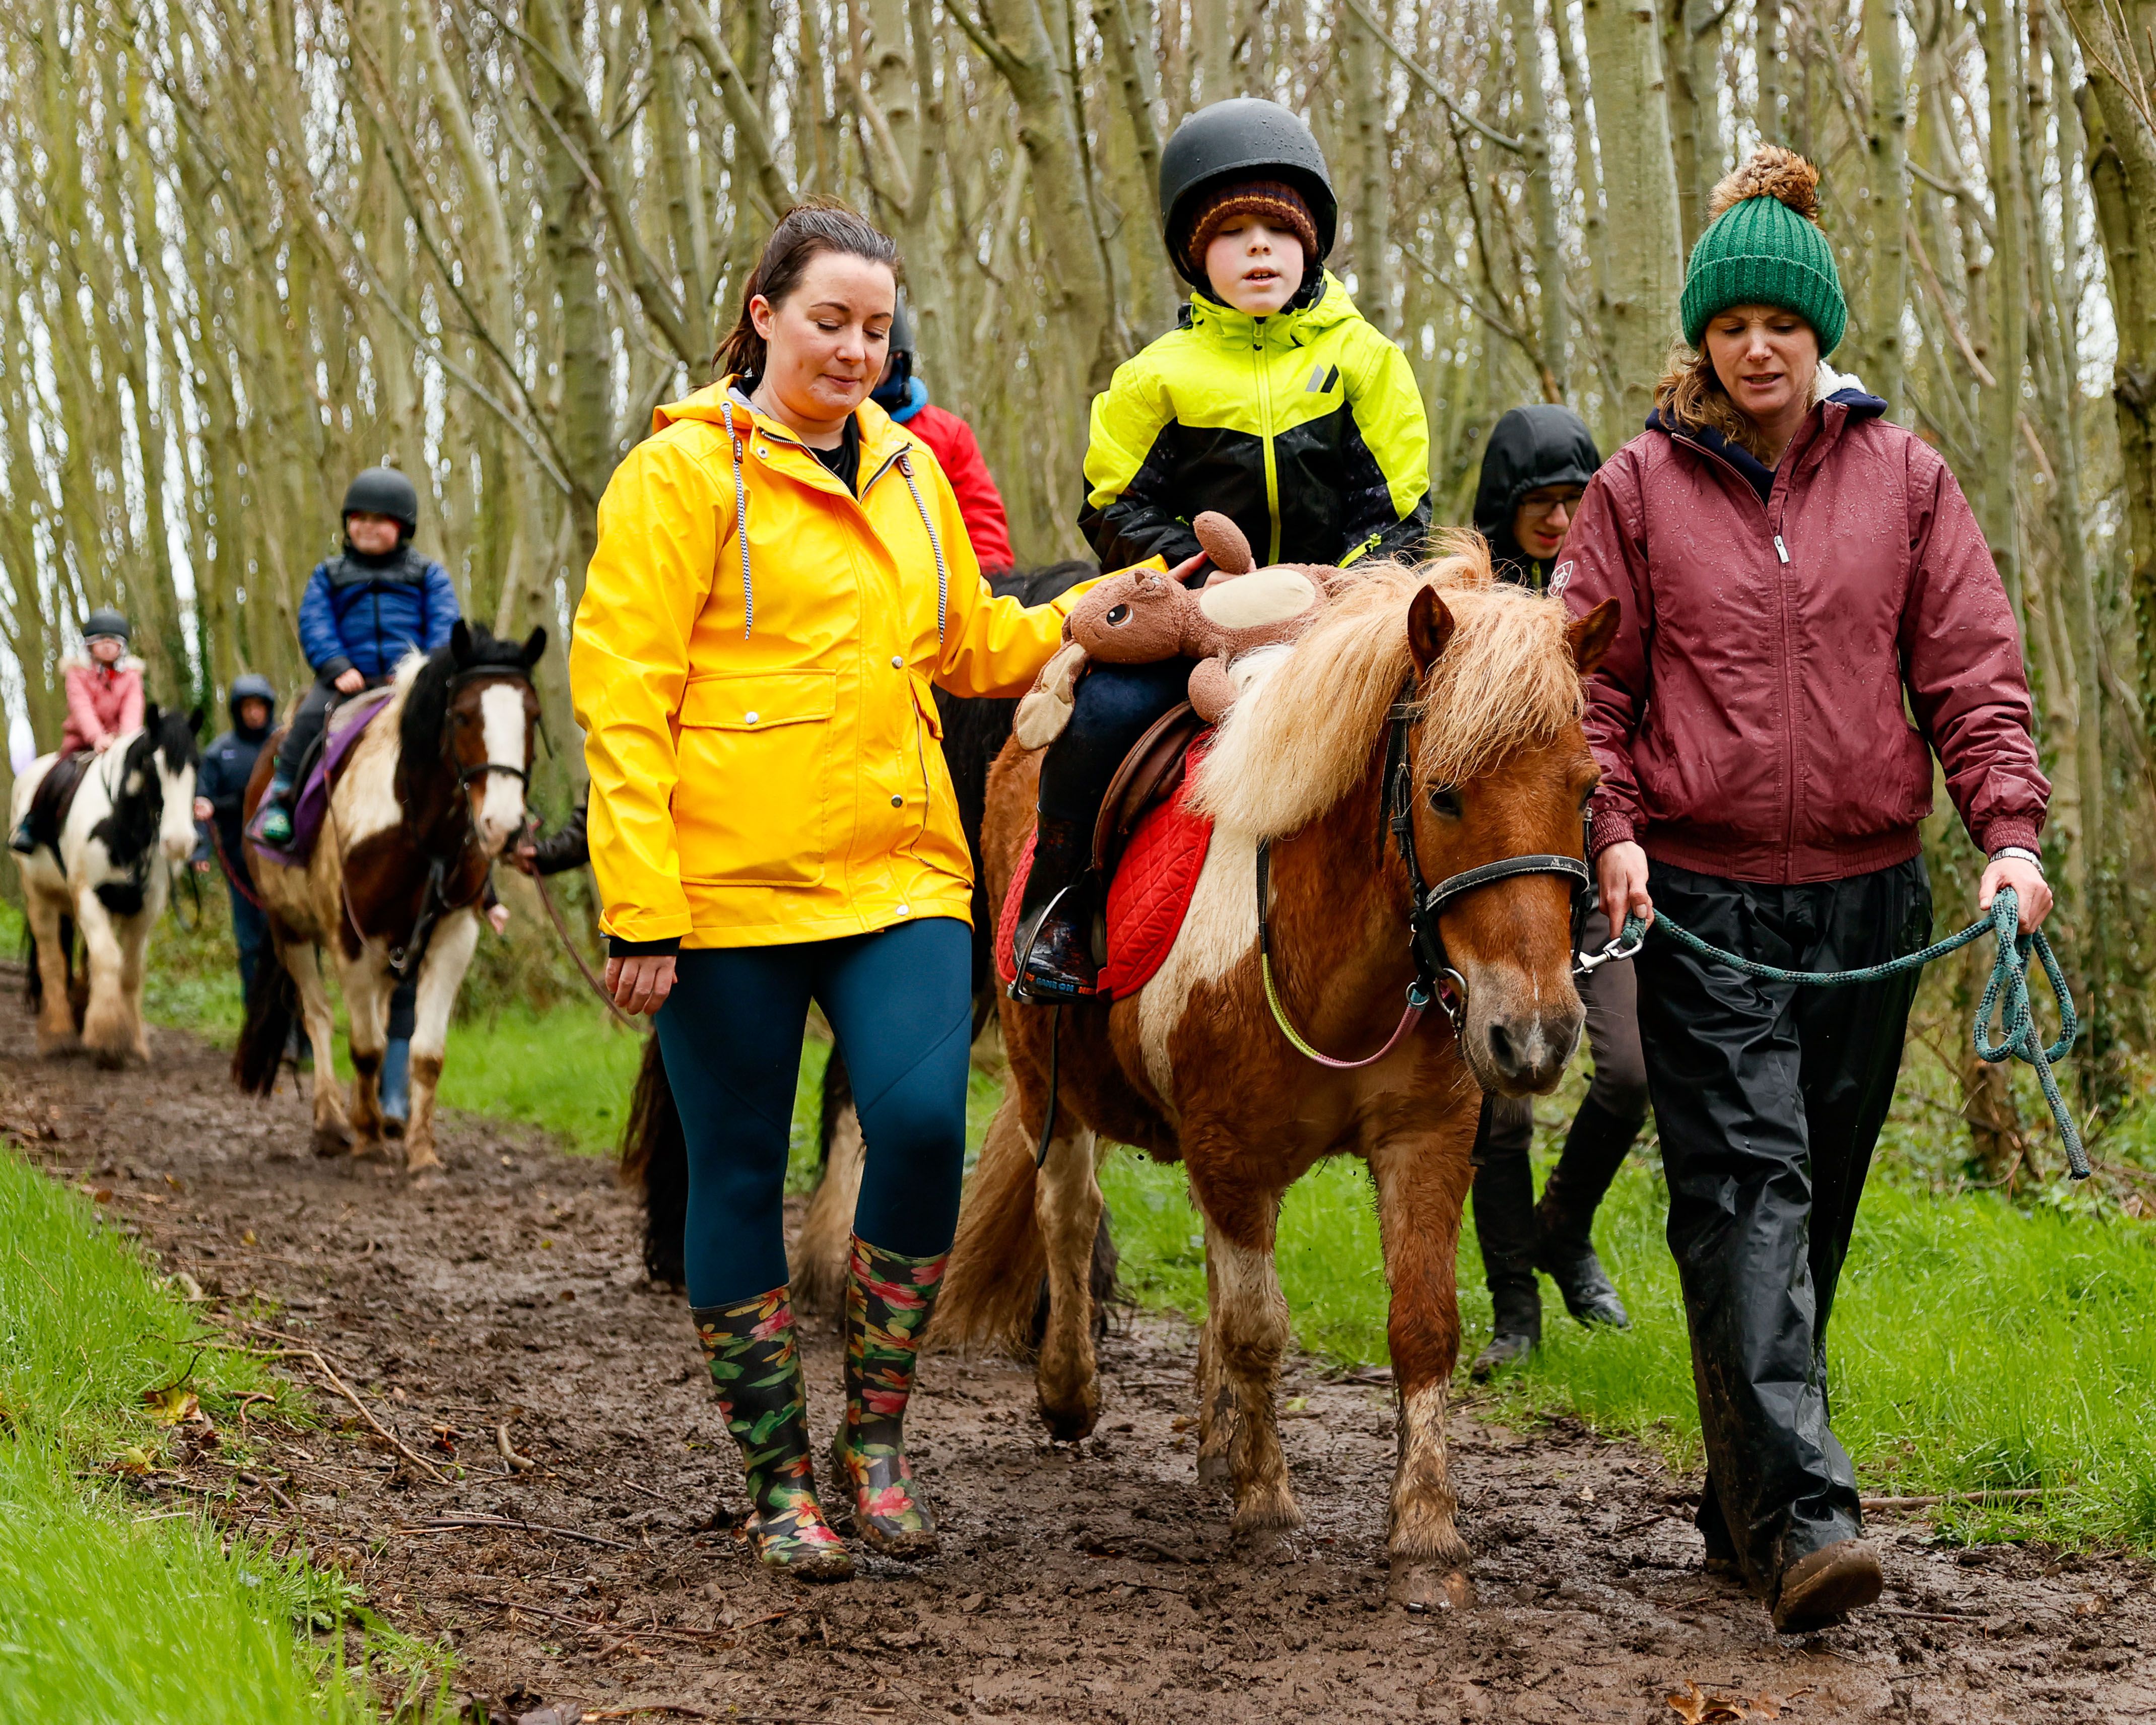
1428, 79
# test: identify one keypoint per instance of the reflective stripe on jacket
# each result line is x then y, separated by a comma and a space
1749, 718
1305, 428
764, 755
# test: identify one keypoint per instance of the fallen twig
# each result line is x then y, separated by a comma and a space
261, 1484
700, 1638
346, 1391
446, 1524
2018, 1494
517, 1463
679, 1709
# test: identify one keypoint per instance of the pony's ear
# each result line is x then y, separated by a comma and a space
1589, 636
535, 643
195, 718
1430, 629
460, 643
150, 717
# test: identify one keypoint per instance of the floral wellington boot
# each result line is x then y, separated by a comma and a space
888, 1301
756, 1368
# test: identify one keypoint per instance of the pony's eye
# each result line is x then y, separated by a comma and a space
1118, 615
1445, 801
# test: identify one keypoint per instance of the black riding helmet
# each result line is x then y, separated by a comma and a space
251, 687
105, 621
383, 490
1243, 138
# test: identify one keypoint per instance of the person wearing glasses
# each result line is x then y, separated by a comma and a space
1535, 469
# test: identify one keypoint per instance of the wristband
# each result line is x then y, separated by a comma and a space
2020, 853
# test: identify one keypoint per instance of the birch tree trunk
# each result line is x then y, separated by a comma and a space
1886, 145
1542, 193
1647, 271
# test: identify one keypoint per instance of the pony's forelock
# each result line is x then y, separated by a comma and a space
1302, 735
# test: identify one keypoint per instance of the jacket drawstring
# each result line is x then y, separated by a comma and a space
935, 544
741, 526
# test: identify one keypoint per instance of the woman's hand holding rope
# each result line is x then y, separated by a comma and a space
2027, 880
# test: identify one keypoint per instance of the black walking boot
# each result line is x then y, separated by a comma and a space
1594, 1151
1505, 1225
1054, 955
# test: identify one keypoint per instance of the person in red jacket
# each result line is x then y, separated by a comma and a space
905, 398
1791, 568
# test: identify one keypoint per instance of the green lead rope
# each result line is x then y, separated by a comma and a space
2007, 993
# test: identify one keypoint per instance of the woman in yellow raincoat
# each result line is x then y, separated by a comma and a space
782, 576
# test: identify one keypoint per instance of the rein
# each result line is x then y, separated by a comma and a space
2007, 993
1436, 978
561, 928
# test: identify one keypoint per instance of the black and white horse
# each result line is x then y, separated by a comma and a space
132, 812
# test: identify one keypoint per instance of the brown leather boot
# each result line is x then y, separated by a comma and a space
1054, 955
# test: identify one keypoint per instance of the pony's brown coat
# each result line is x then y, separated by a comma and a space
1205, 1076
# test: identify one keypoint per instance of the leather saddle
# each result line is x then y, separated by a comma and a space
1151, 773
55, 795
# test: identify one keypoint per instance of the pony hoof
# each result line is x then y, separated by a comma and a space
54, 1048
1067, 1425
1213, 1473
420, 1158
1418, 1585
332, 1140
1269, 1544
110, 1060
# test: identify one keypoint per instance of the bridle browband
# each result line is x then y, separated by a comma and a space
1435, 978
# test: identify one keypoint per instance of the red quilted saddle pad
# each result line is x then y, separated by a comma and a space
1146, 901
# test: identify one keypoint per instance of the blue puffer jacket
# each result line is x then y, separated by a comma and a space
365, 613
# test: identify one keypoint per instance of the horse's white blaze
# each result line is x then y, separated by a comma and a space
502, 805
176, 829
1219, 928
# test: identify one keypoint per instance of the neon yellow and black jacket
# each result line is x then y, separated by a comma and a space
1306, 429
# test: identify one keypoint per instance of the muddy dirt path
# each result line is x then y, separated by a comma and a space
1092, 1582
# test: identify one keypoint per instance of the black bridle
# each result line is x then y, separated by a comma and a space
1435, 978
433, 904
1434, 973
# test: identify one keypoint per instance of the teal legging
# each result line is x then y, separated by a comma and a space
900, 1003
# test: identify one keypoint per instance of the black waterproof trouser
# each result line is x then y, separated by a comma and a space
1770, 1098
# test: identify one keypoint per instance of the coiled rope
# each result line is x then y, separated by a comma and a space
2006, 995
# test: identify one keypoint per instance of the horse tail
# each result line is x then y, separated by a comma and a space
817, 1265
273, 1008
998, 1262
655, 1156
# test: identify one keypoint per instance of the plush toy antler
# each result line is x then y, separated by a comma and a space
1143, 616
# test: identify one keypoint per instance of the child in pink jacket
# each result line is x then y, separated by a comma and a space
105, 692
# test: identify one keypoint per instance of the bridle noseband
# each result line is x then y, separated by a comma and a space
1435, 978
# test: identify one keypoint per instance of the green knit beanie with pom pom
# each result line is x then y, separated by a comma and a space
1764, 247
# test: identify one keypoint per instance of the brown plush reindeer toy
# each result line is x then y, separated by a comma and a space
1143, 616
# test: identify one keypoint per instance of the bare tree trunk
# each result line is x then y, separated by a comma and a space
2010, 291
1887, 200
1368, 68
1542, 193
1645, 265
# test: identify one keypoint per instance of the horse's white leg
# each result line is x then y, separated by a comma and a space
104, 1029
134, 946
1422, 1183
441, 974
56, 1031
1250, 1334
1066, 1201
303, 959
367, 988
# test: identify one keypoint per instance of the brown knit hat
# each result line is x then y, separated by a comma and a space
1272, 202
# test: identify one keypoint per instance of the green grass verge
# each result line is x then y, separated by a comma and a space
108, 1612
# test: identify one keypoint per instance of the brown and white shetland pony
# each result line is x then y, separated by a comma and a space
420, 809
1195, 1068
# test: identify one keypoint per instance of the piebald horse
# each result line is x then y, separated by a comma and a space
132, 812
1469, 693
419, 810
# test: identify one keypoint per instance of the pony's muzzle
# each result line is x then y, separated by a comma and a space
1524, 1046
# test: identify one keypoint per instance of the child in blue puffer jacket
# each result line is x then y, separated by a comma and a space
362, 613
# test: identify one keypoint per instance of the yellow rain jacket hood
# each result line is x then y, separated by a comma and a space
763, 746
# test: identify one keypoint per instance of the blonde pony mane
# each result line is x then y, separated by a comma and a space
1299, 739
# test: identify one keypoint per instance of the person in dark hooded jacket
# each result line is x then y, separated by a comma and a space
1535, 467
220, 786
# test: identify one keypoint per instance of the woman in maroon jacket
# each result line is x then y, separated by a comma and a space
1791, 566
